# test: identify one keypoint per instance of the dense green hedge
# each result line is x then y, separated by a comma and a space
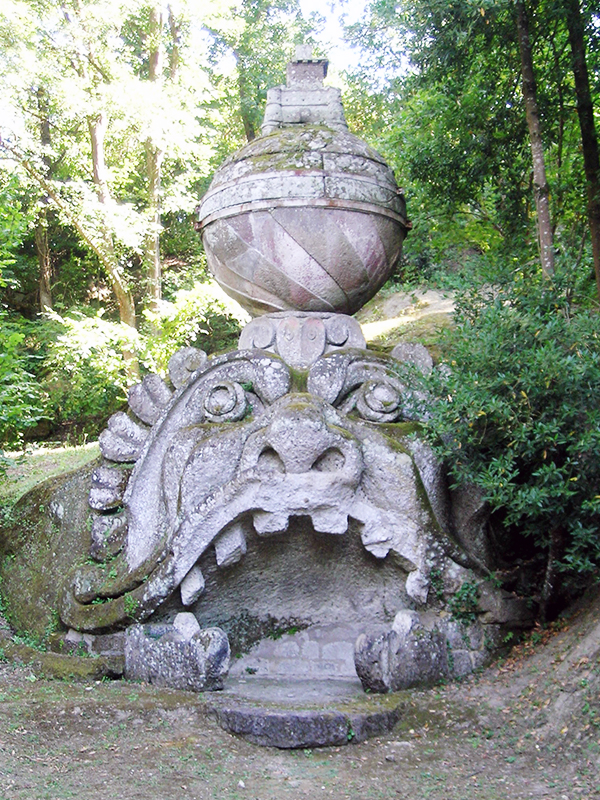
516, 411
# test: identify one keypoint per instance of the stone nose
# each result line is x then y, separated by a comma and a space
299, 439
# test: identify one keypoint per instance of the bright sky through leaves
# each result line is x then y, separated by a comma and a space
336, 13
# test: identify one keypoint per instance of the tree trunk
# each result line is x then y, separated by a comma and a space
41, 224
97, 129
589, 139
540, 183
550, 594
154, 159
174, 55
44, 260
245, 97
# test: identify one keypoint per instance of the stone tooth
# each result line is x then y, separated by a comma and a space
330, 520
108, 488
267, 522
376, 538
192, 586
230, 545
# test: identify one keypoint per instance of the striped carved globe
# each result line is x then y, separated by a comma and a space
305, 218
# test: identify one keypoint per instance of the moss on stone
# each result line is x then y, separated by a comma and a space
47, 533
65, 667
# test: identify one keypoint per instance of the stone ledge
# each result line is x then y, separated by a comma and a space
295, 719
52, 665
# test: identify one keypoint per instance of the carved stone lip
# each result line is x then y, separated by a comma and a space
325, 202
308, 185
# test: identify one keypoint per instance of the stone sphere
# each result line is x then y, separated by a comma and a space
305, 218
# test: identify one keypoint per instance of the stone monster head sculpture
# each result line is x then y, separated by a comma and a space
245, 442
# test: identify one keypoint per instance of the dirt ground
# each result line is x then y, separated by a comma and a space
529, 726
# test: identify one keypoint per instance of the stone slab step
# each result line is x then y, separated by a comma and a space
303, 713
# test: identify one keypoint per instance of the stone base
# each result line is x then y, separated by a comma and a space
298, 714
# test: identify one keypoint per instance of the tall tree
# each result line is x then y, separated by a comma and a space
124, 121
42, 245
589, 139
540, 182
259, 35
154, 161
456, 124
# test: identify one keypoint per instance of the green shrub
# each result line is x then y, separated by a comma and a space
21, 397
14, 221
85, 374
203, 317
517, 412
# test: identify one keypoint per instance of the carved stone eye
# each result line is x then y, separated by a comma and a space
379, 401
225, 402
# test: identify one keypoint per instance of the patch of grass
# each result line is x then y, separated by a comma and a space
39, 463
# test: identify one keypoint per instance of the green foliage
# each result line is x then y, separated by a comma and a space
517, 411
258, 34
14, 221
80, 375
202, 317
444, 105
85, 373
463, 604
21, 399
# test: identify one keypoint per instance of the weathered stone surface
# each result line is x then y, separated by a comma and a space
470, 517
501, 606
285, 729
186, 625
302, 338
365, 726
38, 549
64, 667
107, 489
358, 379
305, 219
304, 99
291, 729
291, 713
192, 586
391, 662
277, 456
419, 650
316, 652
148, 398
184, 363
123, 439
415, 354
183, 658
306, 216
109, 532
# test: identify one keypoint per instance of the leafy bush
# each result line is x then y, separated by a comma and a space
21, 398
203, 317
518, 414
86, 376
13, 225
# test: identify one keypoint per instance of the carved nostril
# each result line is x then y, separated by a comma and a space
270, 460
332, 460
